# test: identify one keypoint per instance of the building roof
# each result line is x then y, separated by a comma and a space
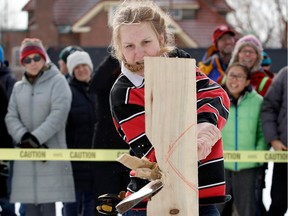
194, 32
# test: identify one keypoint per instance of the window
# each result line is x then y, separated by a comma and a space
183, 14
15, 60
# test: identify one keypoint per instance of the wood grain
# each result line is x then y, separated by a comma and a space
170, 109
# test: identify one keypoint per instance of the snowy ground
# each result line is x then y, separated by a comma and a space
266, 192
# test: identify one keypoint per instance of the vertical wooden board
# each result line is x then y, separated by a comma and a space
171, 120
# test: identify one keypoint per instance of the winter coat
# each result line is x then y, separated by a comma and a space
213, 67
5, 142
41, 108
106, 136
7, 78
274, 109
5, 138
79, 131
261, 80
243, 131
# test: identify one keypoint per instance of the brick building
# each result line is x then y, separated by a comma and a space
59, 23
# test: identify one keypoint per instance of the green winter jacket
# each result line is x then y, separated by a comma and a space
243, 130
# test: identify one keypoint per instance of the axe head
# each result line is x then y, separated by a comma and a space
147, 191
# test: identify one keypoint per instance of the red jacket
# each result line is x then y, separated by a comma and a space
261, 81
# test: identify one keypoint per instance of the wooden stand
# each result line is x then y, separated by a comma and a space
171, 120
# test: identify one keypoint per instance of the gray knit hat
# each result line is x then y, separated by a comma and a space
76, 58
248, 40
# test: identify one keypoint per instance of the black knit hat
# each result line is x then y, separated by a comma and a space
67, 51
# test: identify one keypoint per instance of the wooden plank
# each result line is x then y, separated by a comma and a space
171, 120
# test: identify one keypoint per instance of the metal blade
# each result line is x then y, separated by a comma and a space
135, 198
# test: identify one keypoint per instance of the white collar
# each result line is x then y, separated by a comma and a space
136, 79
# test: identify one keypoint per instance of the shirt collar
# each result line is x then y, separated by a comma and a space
136, 79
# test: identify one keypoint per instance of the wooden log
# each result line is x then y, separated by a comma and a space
171, 120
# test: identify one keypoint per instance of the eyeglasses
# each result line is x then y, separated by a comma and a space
250, 52
28, 60
236, 77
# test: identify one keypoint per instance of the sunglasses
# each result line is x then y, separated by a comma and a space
28, 60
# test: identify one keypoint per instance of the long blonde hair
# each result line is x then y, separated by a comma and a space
138, 11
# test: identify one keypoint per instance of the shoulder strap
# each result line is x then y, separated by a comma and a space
223, 80
262, 83
219, 66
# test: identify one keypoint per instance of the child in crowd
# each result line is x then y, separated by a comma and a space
243, 131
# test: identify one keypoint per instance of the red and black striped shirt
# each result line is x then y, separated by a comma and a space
127, 107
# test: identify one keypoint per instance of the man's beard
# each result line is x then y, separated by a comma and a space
227, 51
134, 68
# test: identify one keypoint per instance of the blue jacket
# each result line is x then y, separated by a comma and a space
213, 67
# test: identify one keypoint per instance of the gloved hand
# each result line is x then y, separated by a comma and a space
4, 168
152, 173
141, 167
207, 135
28, 140
108, 202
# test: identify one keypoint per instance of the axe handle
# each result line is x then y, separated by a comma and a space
133, 162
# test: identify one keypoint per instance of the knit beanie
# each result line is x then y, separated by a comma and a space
248, 40
266, 61
68, 51
1, 55
77, 58
32, 45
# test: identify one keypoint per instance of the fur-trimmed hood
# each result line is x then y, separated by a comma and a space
248, 40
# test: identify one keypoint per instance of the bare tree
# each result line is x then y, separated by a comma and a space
4, 14
283, 23
11, 16
265, 19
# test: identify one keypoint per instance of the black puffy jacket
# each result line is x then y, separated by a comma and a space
80, 130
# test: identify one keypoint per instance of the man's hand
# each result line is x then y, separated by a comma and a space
207, 135
4, 168
278, 145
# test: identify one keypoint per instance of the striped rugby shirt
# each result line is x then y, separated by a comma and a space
127, 108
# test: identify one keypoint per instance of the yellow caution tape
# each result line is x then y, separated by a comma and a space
61, 154
256, 156
112, 154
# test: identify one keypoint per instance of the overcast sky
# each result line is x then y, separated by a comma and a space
12, 15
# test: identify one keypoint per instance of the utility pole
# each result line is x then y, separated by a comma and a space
171, 6
4, 19
5, 15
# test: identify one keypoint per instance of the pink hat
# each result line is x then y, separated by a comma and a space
248, 40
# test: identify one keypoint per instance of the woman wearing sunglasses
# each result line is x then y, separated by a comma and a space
36, 118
